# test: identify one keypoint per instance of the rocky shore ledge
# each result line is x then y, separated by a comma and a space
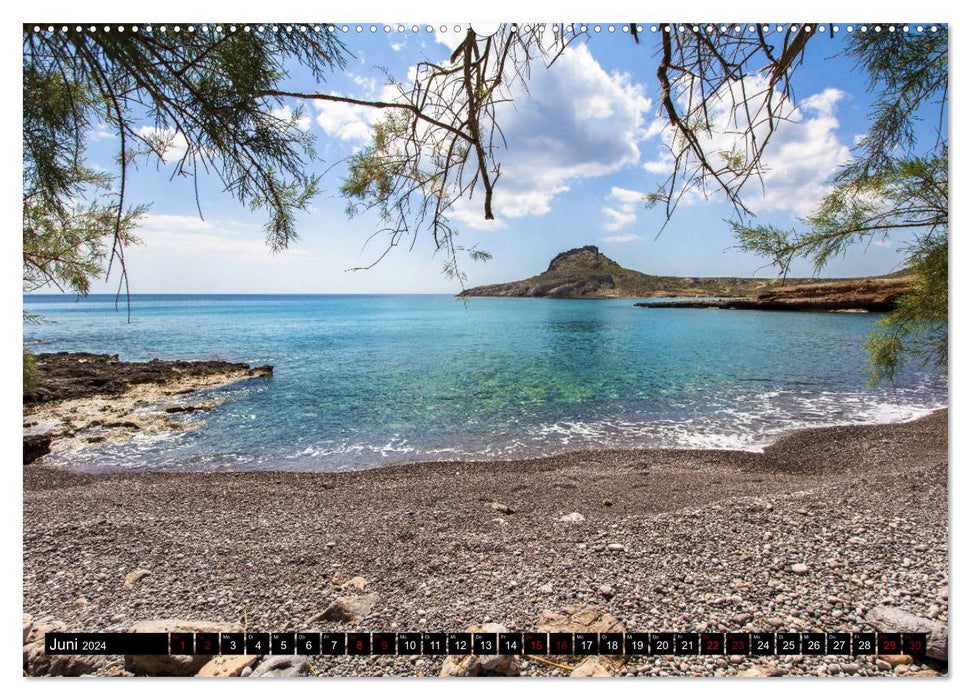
835, 529
860, 296
80, 398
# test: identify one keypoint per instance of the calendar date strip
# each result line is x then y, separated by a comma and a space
487, 644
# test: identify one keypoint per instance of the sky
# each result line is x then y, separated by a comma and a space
584, 146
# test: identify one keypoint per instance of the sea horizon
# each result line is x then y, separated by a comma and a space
122, 295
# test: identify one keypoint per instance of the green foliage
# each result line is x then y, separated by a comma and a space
30, 372
451, 267
767, 241
652, 199
64, 242
917, 329
400, 180
200, 101
373, 171
908, 73
734, 160
67, 247
890, 186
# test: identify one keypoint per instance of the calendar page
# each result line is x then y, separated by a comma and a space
436, 349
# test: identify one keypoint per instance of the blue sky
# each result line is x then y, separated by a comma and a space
583, 147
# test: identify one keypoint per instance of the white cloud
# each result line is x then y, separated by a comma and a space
183, 253
578, 121
345, 121
616, 219
192, 238
469, 212
450, 37
620, 211
801, 156
285, 112
626, 196
368, 84
175, 223
656, 127
624, 238
172, 144
661, 166
824, 103
353, 122
101, 132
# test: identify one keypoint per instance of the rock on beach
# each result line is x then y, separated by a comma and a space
227, 666
897, 620
134, 577
173, 664
475, 665
591, 668
347, 609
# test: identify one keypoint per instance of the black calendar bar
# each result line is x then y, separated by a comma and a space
97, 644
504, 643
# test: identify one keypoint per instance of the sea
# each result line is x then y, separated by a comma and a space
364, 381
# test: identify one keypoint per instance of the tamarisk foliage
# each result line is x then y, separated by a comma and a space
895, 182
198, 100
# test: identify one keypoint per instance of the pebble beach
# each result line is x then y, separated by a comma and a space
814, 533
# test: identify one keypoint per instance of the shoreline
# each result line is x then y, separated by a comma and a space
579, 453
665, 539
756, 449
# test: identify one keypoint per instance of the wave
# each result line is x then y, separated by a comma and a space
727, 420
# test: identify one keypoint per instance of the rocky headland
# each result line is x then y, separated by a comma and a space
79, 399
586, 273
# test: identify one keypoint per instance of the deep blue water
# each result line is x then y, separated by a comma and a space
362, 381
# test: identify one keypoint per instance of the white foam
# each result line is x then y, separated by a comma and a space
719, 421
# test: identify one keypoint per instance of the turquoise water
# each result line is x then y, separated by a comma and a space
362, 381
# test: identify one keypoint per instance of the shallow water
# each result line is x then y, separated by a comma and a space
362, 381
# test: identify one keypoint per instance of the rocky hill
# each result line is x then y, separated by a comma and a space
586, 273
